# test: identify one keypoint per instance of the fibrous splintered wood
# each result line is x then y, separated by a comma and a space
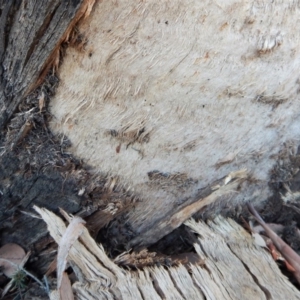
287, 252
30, 36
222, 239
225, 189
234, 268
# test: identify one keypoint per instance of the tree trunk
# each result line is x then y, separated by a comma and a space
173, 99
144, 114
31, 35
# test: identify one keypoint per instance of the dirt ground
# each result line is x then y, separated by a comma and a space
36, 168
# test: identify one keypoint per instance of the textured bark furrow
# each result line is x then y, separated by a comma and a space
30, 33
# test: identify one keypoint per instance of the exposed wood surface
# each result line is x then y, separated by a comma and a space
235, 258
234, 268
169, 96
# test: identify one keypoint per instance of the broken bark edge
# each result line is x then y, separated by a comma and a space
231, 183
82, 13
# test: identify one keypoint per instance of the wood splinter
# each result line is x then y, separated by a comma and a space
166, 225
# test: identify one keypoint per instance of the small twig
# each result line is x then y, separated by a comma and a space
287, 252
46, 284
7, 288
30, 214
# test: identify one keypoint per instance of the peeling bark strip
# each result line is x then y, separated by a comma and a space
31, 33
231, 267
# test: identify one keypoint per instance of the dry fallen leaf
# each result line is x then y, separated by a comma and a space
72, 233
11, 253
66, 292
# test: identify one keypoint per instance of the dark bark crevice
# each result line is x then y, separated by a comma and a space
29, 34
34, 168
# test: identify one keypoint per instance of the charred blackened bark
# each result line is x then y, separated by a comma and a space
33, 165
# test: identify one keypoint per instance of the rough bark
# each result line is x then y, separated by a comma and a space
33, 167
30, 35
